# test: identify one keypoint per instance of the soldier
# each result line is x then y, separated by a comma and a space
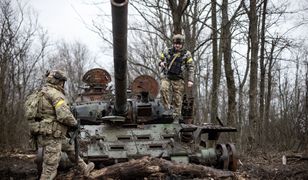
56, 118
175, 61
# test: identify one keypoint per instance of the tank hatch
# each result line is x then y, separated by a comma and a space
96, 76
96, 89
145, 84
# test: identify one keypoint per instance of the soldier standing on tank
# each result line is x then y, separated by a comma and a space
175, 61
56, 120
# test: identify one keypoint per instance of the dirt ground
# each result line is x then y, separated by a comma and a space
18, 165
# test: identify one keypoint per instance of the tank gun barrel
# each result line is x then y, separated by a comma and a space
119, 29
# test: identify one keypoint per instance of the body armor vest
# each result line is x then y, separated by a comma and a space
174, 63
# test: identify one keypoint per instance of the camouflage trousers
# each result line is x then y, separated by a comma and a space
172, 90
52, 155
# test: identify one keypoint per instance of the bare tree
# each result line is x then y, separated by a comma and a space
177, 9
197, 41
262, 68
216, 64
19, 59
303, 119
74, 59
253, 35
226, 37
237, 34
156, 32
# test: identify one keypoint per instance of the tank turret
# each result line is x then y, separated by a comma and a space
119, 127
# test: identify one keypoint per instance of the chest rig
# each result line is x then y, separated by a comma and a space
175, 62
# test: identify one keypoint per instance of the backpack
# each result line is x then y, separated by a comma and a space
33, 106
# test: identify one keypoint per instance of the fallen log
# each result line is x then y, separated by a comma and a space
134, 168
300, 157
149, 166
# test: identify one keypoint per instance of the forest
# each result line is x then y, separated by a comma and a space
251, 64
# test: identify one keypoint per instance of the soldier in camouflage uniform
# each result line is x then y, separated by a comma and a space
56, 119
175, 61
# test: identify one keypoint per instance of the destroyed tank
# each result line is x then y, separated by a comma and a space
125, 124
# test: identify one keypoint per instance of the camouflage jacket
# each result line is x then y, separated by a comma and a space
178, 64
55, 110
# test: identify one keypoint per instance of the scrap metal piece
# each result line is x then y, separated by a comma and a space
96, 76
223, 156
145, 83
233, 157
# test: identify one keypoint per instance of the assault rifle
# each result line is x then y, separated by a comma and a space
74, 138
164, 69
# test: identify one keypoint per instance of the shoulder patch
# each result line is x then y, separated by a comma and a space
59, 103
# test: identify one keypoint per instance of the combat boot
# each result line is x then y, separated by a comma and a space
88, 168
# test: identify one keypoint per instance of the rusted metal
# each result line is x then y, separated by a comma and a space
222, 153
94, 103
119, 29
145, 83
233, 157
96, 76
96, 89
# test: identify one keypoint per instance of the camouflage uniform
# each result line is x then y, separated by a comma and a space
177, 64
56, 119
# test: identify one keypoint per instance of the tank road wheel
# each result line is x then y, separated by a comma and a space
39, 161
222, 156
233, 158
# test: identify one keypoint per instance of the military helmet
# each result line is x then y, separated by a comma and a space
178, 38
56, 74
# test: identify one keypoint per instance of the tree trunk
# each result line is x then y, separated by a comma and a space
226, 48
216, 65
177, 10
206, 79
305, 111
262, 74
253, 33
269, 89
241, 106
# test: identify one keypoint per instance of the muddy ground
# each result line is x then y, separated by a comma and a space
20, 165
